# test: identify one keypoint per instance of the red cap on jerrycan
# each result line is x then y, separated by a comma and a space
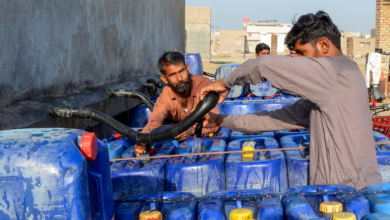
89, 146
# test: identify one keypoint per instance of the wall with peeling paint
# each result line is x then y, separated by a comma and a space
51, 47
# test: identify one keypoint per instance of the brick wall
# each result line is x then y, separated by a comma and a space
229, 42
198, 26
274, 44
350, 47
382, 33
354, 46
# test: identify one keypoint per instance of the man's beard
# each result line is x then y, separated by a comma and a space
182, 87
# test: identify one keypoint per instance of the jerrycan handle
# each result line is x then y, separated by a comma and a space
238, 204
136, 163
98, 181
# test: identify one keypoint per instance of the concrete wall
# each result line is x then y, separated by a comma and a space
51, 47
382, 33
198, 27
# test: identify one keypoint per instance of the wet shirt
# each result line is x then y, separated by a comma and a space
168, 105
334, 105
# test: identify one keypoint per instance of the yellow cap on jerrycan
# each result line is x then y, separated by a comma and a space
344, 216
150, 215
331, 207
241, 214
248, 145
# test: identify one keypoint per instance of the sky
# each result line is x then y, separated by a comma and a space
348, 15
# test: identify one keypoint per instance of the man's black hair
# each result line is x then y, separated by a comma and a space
310, 28
262, 46
170, 58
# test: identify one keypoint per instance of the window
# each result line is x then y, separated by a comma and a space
362, 44
227, 43
218, 42
238, 44
288, 25
249, 35
368, 44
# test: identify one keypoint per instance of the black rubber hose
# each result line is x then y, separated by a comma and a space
208, 74
135, 94
204, 107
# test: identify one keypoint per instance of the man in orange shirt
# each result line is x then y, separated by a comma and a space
178, 99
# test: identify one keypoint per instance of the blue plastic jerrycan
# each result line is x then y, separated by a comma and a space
195, 62
286, 132
236, 135
261, 170
239, 108
197, 174
175, 210
139, 116
300, 206
376, 216
116, 144
141, 176
297, 160
225, 70
383, 156
263, 89
379, 202
225, 208
270, 105
44, 174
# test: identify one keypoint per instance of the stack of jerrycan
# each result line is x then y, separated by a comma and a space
259, 170
54, 173
297, 160
225, 208
299, 203
141, 176
197, 174
195, 62
222, 72
383, 156
139, 116
174, 210
286, 132
379, 202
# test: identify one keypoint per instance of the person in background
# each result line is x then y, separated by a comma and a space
293, 53
262, 49
333, 105
178, 99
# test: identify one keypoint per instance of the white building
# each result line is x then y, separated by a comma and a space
262, 32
